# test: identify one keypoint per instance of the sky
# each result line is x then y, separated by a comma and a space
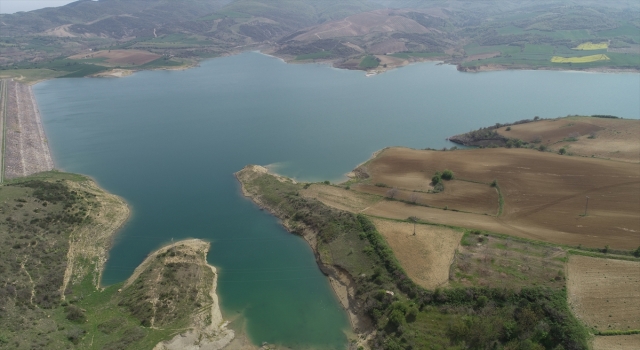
13, 6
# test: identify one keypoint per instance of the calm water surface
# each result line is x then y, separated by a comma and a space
170, 141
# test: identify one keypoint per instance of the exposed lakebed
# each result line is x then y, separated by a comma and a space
169, 142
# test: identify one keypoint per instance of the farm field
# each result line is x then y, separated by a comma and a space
592, 46
505, 262
605, 293
543, 193
618, 342
117, 57
426, 257
581, 59
615, 139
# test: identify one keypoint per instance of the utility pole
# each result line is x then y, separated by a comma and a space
586, 207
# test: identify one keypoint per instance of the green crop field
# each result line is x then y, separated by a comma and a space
314, 56
369, 62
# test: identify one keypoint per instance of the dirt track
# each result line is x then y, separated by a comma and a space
26, 148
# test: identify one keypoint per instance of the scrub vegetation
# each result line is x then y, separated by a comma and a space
55, 229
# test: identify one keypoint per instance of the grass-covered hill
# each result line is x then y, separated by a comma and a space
55, 231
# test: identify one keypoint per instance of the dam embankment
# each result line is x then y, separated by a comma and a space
25, 150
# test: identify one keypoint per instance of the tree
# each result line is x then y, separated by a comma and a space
562, 151
413, 219
413, 197
435, 179
447, 175
392, 193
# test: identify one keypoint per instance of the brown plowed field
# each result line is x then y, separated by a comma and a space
458, 195
426, 257
615, 139
604, 293
544, 194
618, 342
120, 57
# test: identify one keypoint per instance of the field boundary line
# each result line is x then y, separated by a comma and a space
603, 255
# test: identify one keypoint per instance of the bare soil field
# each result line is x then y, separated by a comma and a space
604, 293
544, 194
426, 257
457, 195
615, 139
119, 57
618, 342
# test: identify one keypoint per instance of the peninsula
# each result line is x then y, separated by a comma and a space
444, 247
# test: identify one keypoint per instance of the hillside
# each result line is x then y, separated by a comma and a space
56, 230
473, 35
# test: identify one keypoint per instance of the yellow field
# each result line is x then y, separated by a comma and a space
591, 46
583, 59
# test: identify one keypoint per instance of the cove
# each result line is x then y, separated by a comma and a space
169, 142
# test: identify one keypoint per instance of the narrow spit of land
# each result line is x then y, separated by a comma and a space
25, 150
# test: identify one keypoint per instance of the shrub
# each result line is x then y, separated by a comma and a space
326, 182
494, 183
636, 253
447, 175
75, 314
562, 151
508, 128
542, 148
435, 179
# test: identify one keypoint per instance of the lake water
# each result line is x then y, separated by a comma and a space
169, 142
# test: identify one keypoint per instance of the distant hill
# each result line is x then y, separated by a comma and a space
472, 34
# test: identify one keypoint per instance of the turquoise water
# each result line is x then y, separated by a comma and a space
169, 142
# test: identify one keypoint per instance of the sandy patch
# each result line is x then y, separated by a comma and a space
427, 256
604, 293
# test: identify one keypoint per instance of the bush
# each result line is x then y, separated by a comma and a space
636, 253
562, 151
75, 314
542, 148
435, 179
447, 175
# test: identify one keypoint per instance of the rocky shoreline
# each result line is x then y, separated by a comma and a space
341, 283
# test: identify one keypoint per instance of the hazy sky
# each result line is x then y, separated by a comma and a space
12, 6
